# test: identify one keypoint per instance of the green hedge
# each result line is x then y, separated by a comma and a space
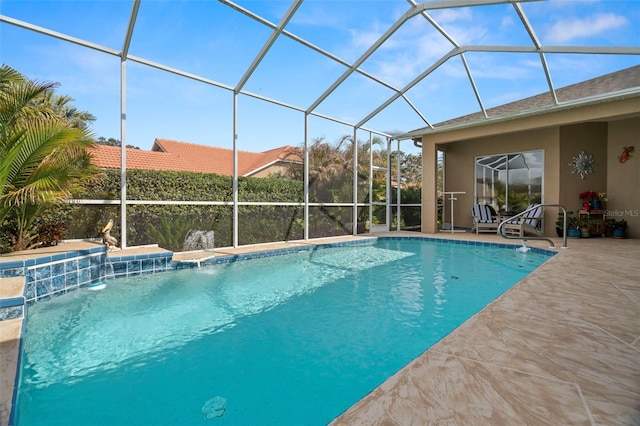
167, 225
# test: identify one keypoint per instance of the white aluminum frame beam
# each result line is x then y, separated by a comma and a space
58, 35
267, 46
254, 65
538, 45
451, 40
611, 50
306, 43
123, 122
412, 83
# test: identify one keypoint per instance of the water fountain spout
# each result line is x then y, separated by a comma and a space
198, 240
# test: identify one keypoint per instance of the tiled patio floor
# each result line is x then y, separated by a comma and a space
561, 347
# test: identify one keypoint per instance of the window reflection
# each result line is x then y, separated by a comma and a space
509, 182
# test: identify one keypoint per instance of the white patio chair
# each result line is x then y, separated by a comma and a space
484, 218
531, 222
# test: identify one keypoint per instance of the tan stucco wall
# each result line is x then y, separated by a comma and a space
592, 139
429, 190
460, 160
623, 184
272, 169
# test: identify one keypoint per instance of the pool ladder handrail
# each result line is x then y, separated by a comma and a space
523, 238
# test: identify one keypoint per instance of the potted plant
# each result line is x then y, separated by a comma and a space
609, 224
592, 200
585, 229
574, 232
619, 229
573, 225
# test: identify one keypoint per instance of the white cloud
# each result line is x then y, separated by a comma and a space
452, 15
364, 39
409, 57
507, 22
416, 46
318, 17
567, 30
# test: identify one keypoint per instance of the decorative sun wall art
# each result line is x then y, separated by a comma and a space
583, 164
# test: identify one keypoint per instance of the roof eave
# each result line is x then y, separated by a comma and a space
568, 105
272, 163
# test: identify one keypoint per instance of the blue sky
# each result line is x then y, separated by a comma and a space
213, 41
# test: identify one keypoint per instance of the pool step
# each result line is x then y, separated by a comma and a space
11, 315
12, 298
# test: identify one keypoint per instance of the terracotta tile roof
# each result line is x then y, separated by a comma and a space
108, 157
183, 156
286, 153
627, 78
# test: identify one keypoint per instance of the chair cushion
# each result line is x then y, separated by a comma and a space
484, 213
533, 217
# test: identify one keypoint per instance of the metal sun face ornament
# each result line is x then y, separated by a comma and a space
583, 164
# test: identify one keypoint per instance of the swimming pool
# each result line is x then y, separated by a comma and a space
291, 339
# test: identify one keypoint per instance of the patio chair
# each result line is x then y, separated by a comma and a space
484, 218
529, 223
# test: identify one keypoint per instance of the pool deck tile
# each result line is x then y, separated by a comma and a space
439, 388
59, 251
131, 253
560, 347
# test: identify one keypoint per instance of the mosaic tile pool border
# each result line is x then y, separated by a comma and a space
56, 278
365, 241
17, 268
140, 264
547, 252
53, 275
12, 308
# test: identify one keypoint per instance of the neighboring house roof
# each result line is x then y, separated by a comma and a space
608, 84
183, 156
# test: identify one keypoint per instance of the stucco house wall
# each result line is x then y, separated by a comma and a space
460, 161
623, 182
592, 139
600, 127
460, 165
280, 167
603, 140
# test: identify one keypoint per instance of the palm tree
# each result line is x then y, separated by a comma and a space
326, 161
62, 107
43, 155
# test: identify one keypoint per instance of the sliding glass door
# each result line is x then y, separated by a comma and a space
509, 182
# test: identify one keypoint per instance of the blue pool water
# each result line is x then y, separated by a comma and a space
285, 340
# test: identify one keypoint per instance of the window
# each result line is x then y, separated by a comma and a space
509, 182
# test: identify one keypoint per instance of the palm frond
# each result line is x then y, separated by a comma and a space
43, 147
